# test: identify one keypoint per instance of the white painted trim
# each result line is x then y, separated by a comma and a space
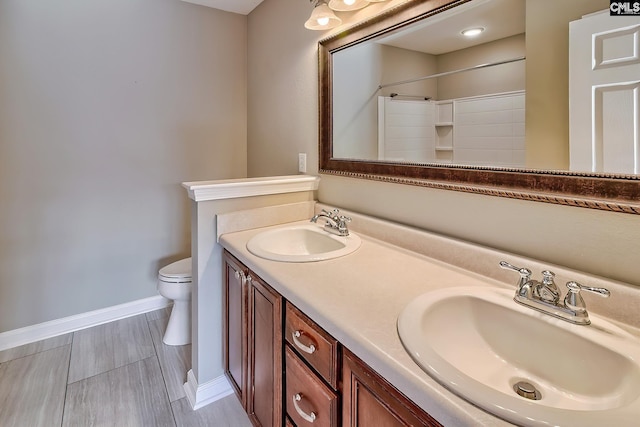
41, 331
246, 187
204, 394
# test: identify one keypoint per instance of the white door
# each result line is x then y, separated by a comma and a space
604, 93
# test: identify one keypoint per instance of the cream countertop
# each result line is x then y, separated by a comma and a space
357, 299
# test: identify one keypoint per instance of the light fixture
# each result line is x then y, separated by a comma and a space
322, 18
347, 5
472, 32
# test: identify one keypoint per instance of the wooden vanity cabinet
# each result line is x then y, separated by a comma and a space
320, 376
253, 343
370, 400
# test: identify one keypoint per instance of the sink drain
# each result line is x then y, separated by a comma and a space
527, 390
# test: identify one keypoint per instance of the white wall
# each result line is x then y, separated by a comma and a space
106, 106
362, 69
355, 114
489, 130
406, 130
593, 241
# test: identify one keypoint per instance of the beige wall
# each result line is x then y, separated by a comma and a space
484, 81
283, 85
402, 64
593, 241
106, 106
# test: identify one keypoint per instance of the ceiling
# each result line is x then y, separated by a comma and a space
243, 7
441, 33
436, 35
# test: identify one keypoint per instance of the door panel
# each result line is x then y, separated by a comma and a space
604, 94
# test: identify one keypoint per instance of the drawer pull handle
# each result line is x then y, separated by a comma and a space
307, 349
307, 417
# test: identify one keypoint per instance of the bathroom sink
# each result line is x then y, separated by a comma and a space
301, 243
481, 345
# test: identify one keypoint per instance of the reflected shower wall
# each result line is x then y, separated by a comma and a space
477, 131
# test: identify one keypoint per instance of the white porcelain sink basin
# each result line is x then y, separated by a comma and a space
479, 343
302, 243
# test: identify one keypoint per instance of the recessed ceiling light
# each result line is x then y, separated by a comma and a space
472, 32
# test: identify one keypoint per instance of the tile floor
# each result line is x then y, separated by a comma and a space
116, 374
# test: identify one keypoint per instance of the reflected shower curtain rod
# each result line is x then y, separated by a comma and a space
447, 73
400, 95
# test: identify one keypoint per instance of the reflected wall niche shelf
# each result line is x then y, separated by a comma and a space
444, 131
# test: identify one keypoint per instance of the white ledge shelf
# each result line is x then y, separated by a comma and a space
201, 191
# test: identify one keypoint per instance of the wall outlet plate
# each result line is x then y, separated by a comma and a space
302, 162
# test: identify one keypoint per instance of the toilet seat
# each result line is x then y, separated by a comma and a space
177, 272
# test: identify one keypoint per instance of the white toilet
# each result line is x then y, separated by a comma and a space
174, 283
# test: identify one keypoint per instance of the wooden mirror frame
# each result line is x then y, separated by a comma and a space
619, 193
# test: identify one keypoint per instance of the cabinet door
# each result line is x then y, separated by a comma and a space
264, 404
235, 327
369, 400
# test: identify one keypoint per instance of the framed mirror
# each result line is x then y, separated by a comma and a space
404, 97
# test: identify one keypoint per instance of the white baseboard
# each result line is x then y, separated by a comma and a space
29, 334
200, 395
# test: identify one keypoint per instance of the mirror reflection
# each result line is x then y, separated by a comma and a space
429, 94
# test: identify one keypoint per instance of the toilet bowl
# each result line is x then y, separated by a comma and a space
174, 283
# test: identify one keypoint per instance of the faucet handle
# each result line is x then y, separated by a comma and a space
574, 301
345, 218
548, 290
548, 278
525, 273
524, 284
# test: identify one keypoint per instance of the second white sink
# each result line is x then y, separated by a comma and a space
480, 344
301, 243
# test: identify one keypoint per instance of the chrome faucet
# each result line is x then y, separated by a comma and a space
544, 296
334, 222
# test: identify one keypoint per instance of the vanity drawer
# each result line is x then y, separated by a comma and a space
308, 400
313, 344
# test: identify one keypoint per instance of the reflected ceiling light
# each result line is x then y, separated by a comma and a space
472, 32
348, 5
322, 18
